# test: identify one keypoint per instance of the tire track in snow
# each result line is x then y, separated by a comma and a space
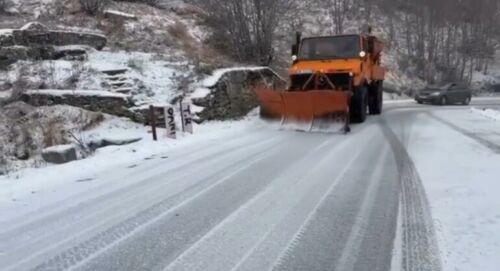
488, 144
51, 212
351, 249
119, 231
183, 260
420, 250
246, 228
165, 240
49, 226
288, 250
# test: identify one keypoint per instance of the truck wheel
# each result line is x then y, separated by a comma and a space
376, 98
359, 105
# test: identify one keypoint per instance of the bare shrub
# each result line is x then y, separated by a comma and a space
4, 5
53, 133
246, 28
93, 7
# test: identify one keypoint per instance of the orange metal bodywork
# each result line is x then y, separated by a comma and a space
306, 104
303, 106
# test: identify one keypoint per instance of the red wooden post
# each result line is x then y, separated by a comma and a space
152, 119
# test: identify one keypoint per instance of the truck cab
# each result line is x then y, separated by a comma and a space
345, 62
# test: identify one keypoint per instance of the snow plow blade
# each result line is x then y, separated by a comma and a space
306, 106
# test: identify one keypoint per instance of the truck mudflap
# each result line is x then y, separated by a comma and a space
313, 107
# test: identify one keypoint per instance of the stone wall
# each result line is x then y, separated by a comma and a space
42, 36
111, 105
232, 97
36, 41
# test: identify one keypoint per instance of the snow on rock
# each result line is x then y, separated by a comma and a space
212, 80
119, 14
93, 93
34, 26
487, 112
6, 32
200, 92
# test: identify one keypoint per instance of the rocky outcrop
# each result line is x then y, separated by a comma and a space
36, 34
36, 41
232, 96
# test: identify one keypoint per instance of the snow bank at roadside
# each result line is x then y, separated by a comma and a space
487, 112
29, 189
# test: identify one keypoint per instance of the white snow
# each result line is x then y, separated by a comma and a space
200, 92
488, 113
461, 178
119, 13
30, 25
212, 80
59, 148
4, 94
156, 74
6, 32
30, 189
96, 93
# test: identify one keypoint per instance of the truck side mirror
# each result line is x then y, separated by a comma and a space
295, 50
371, 45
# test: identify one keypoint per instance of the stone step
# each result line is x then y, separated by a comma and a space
115, 71
121, 84
123, 90
115, 78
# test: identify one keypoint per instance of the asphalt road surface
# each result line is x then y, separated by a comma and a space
261, 200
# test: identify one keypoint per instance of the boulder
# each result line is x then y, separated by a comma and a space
59, 154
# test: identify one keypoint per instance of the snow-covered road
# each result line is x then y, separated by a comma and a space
386, 197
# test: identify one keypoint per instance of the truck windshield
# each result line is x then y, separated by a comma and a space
329, 48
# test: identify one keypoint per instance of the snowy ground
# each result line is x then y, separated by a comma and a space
254, 197
459, 169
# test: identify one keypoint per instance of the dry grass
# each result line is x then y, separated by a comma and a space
52, 133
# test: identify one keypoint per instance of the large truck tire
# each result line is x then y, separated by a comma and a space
359, 105
376, 97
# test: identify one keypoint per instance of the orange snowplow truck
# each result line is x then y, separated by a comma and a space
334, 78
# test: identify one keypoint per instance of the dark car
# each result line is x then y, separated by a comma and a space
453, 93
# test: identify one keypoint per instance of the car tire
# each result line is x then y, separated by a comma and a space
420, 102
443, 100
467, 101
